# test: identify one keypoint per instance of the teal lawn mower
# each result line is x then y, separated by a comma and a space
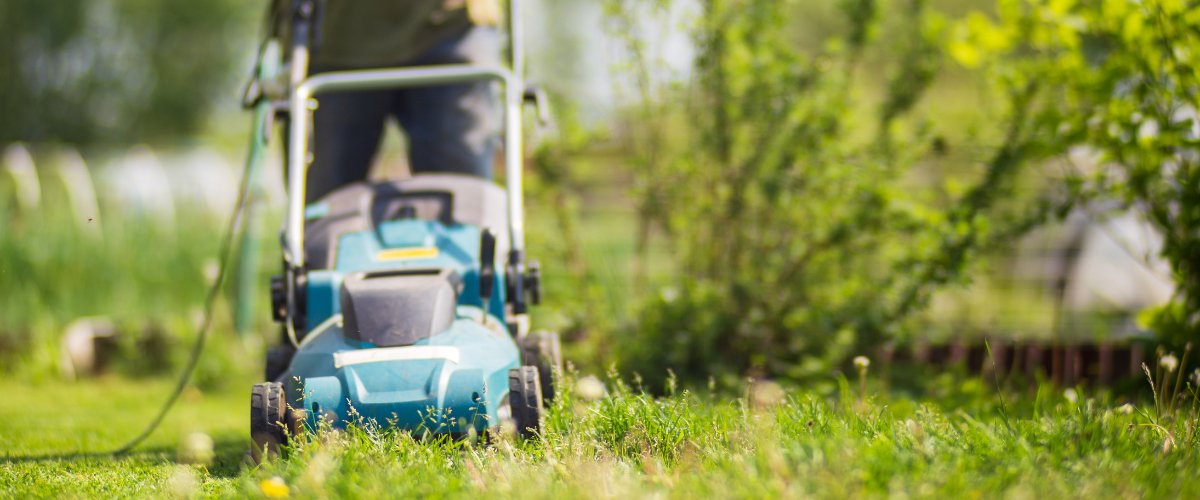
405, 302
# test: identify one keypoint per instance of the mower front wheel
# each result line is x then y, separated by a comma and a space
271, 422
525, 400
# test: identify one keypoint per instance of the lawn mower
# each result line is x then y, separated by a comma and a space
404, 302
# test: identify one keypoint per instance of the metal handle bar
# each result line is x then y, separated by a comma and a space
385, 79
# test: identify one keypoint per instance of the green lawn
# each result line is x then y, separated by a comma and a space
54, 435
690, 445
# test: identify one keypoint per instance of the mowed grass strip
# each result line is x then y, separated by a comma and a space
691, 446
623, 444
54, 438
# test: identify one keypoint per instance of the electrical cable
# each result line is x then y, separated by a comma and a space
210, 301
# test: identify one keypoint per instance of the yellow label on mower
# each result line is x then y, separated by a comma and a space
407, 253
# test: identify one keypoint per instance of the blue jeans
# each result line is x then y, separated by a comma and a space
451, 129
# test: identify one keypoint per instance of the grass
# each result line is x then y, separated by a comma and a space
54, 436
775, 444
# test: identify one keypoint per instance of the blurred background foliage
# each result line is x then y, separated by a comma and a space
768, 188
143, 270
799, 241
1116, 83
118, 71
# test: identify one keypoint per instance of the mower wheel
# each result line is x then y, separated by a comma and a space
541, 349
268, 421
525, 400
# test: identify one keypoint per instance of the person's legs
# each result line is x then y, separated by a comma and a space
346, 132
454, 128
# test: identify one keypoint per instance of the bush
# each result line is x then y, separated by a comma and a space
799, 238
1117, 94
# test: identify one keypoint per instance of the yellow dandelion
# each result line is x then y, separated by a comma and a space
274, 487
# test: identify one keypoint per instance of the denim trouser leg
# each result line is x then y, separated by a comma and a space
450, 129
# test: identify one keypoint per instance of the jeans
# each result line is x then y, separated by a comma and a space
451, 128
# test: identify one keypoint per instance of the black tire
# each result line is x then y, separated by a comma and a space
525, 400
268, 424
541, 349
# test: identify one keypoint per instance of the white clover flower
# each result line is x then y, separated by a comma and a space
1071, 395
861, 362
1169, 362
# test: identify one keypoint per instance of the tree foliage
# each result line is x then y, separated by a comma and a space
117, 70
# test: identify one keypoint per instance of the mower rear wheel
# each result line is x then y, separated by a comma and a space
541, 349
525, 400
268, 420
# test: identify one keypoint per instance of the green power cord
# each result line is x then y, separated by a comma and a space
226, 244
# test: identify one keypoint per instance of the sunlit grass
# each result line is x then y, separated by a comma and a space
624, 443
793, 445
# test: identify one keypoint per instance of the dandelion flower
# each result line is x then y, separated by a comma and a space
274, 487
1169, 362
861, 362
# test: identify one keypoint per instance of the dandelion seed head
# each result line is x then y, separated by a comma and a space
182, 482
1169, 362
862, 362
211, 270
195, 448
590, 388
765, 394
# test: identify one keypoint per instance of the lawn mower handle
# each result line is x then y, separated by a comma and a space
303, 103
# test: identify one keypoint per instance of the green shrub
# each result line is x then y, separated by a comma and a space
799, 236
1117, 94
